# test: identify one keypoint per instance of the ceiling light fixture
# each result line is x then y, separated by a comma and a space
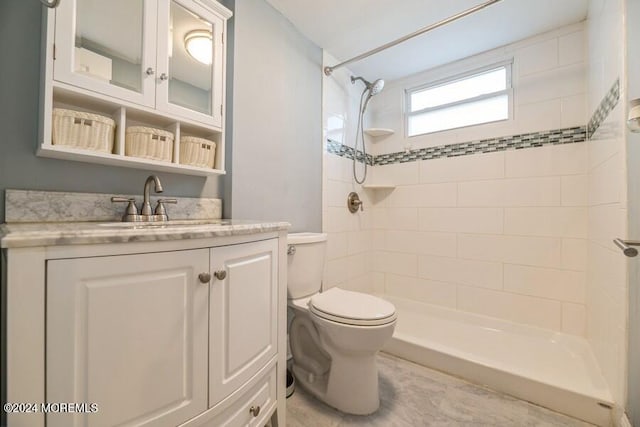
199, 44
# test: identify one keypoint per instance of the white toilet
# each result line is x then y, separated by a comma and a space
335, 335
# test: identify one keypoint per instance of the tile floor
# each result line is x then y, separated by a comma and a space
412, 395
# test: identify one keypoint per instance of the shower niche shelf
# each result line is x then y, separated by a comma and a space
379, 187
379, 132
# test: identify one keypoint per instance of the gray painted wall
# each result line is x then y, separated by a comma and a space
19, 89
228, 119
277, 148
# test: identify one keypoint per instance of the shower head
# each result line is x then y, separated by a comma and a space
376, 87
373, 88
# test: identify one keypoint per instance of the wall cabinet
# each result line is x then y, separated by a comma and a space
186, 336
157, 63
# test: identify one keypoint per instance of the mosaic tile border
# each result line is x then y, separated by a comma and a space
335, 147
607, 104
515, 142
570, 135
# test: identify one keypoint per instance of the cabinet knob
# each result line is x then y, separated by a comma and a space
204, 277
220, 274
150, 71
164, 76
254, 410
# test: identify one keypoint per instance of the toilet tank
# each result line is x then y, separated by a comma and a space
305, 262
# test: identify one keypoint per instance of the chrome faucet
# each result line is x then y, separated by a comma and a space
146, 206
146, 213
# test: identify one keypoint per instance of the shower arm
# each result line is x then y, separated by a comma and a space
329, 70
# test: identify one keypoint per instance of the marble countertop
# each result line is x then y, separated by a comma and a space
15, 235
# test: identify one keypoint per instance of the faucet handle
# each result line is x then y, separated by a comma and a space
131, 207
131, 213
160, 210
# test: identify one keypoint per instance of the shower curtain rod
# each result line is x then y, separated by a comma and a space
329, 70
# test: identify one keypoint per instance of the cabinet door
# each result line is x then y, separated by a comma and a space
243, 314
190, 60
108, 47
128, 333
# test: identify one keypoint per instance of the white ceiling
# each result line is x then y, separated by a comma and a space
346, 28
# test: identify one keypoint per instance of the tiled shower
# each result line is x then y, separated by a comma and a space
512, 220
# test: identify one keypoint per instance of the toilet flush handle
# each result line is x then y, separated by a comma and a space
291, 250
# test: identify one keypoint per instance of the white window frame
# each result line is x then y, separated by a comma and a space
508, 65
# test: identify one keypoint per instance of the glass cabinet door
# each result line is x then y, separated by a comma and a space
189, 61
108, 47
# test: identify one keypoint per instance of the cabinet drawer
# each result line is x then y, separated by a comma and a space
261, 395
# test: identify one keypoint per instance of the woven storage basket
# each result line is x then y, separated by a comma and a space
197, 152
83, 130
149, 143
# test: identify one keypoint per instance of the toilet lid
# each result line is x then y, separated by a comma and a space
353, 308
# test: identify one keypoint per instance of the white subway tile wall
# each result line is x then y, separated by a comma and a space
501, 234
542, 312
350, 236
606, 291
573, 109
512, 224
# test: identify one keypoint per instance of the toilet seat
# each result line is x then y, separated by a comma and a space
352, 308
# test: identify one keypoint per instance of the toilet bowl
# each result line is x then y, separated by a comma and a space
335, 335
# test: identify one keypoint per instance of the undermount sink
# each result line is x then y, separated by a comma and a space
165, 224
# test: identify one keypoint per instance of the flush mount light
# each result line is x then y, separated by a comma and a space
199, 44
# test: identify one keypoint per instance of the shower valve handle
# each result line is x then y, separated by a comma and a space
354, 202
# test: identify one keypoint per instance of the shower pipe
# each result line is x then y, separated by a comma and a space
328, 70
50, 4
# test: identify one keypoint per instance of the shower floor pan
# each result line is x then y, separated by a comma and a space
551, 369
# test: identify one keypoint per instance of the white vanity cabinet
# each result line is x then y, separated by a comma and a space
188, 332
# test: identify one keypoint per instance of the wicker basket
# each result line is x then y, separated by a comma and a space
149, 143
83, 130
197, 152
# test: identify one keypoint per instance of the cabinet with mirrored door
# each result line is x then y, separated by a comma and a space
157, 64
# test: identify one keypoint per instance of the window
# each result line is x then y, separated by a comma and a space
473, 99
